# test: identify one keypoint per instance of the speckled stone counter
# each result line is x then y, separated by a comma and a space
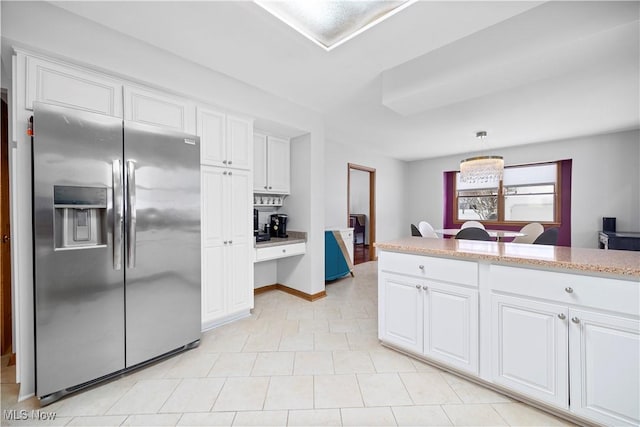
294, 237
589, 261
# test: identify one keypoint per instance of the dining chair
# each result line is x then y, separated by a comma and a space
548, 237
415, 231
531, 231
426, 230
475, 224
473, 233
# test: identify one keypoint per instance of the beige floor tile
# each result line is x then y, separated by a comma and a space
152, 420
9, 374
363, 341
473, 415
209, 419
302, 313
519, 414
313, 363
233, 365
261, 418
352, 362
327, 313
368, 325
105, 420
428, 389
367, 417
193, 364
314, 325
94, 401
343, 326
315, 417
145, 397
337, 391
290, 392
383, 390
297, 342
193, 395
391, 361
273, 363
330, 341
268, 341
470, 392
242, 394
431, 415
223, 343
155, 371
271, 313
424, 367
353, 312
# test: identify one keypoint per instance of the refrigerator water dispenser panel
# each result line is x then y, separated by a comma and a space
80, 217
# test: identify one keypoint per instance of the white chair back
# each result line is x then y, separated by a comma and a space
475, 224
427, 230
532, 231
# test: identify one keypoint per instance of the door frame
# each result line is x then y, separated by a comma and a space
371, 231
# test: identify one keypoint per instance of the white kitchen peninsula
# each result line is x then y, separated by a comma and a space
554, 326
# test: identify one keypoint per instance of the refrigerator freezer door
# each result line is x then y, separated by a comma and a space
163, 277
79, 304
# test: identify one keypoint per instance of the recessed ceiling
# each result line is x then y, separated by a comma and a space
331, 23
422, 82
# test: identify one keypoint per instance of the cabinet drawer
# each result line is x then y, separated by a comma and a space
599, 292
274, 252
444, 269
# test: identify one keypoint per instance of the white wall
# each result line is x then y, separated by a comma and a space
359, 197
605, 181
42, 27
391, 178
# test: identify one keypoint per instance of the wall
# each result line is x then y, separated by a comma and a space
391, 178
605, 181
359, 197
42, 27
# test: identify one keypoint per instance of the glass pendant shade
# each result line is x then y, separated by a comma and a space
482, 169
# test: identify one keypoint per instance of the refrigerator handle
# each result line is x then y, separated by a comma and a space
118, 214
131, 232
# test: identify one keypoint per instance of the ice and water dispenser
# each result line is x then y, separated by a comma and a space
80, 219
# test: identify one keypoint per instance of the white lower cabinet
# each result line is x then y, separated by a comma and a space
530, 348
227, 239
604, 351
437, 320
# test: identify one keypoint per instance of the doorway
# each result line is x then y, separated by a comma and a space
361, 211
5, 233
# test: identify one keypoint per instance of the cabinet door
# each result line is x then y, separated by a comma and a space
605, 367
347, 238
260, 163
529, 347
72, 87
213, 285
212, 133
213, 206
278, 165
400, 311
159, 109
451, 325
239, 143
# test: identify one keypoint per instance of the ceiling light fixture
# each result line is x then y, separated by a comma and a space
331, 23
482, 169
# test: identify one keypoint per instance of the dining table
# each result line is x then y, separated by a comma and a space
497, 234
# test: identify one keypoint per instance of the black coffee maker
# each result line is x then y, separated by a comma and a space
279, 225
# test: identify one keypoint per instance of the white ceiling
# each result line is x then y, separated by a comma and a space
421, 83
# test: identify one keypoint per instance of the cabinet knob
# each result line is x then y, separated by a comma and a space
229, 162
270, 187
225, 242
284, 251
568, 290
424, 288
421, 267
224, 162
224, 173
561, 316
229, 173
230, 241
418, 287
575, 320
265, 187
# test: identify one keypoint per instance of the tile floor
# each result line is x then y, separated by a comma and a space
291, 363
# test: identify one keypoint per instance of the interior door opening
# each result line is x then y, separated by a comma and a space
5, 239
361, 211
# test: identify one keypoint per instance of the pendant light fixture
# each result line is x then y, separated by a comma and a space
482, 169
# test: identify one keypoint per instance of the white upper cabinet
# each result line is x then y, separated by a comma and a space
271, 164
159, 109
69, 86
226, 140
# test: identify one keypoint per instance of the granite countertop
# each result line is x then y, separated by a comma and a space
294, 237
610, 262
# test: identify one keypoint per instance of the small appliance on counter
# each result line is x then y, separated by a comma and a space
259, 235
279, 225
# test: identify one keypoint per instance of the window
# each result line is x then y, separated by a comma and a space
526, 193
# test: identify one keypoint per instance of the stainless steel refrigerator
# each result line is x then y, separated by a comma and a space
116, 233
